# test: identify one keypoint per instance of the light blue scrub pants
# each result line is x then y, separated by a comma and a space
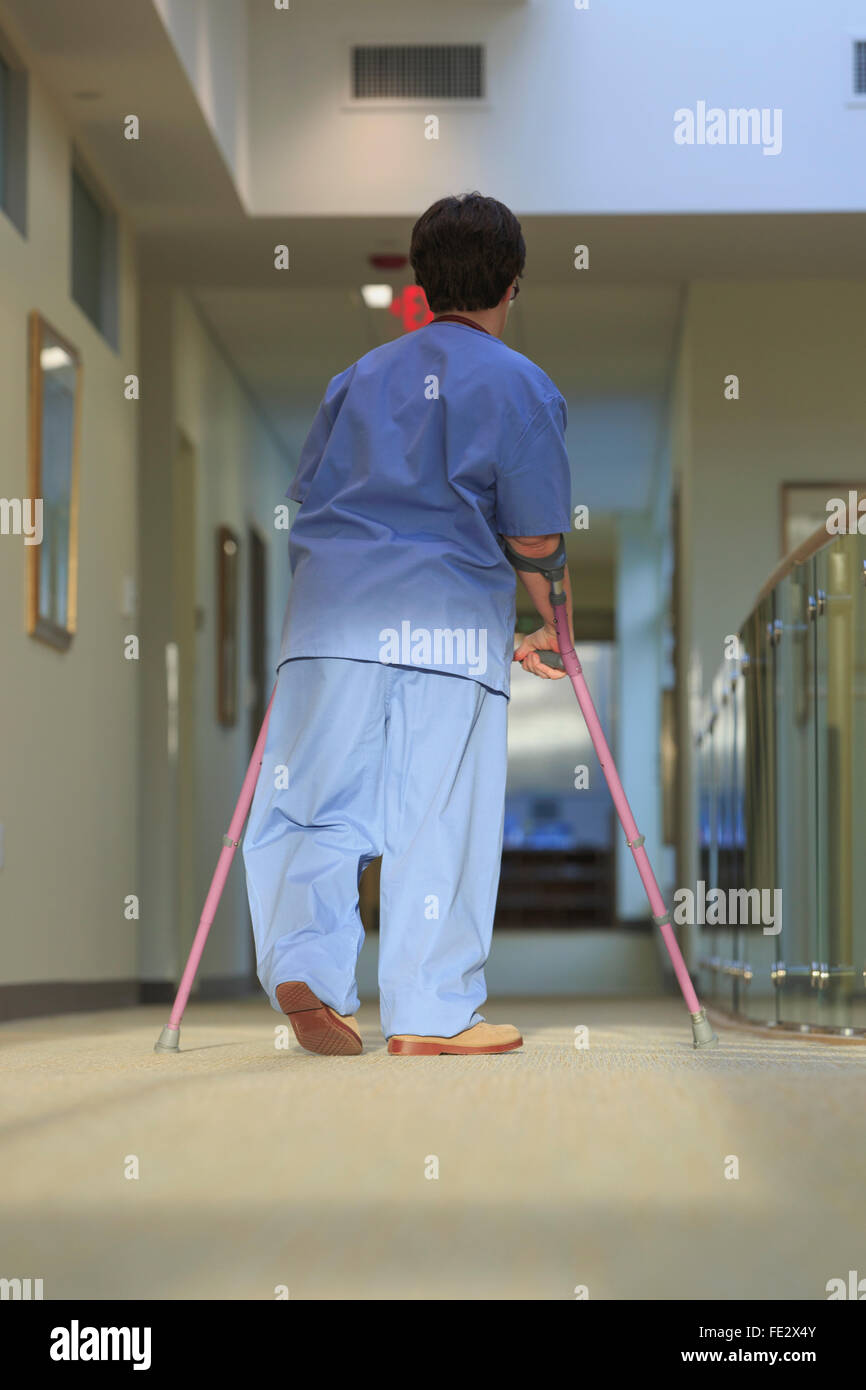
364, 759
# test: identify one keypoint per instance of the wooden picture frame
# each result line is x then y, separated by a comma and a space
257, 601
53, 482
228, 602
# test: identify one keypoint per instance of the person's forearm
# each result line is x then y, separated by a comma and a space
538, 588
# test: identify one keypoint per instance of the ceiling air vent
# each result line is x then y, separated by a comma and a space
859, 75
418, 72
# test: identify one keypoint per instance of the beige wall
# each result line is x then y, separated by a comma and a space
798, 348
84, 748
242, 476
67, 794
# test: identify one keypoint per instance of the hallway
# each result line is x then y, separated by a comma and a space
558, 1166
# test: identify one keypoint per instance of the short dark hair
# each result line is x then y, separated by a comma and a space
466, 251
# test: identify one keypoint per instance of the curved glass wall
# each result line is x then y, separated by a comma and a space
781, 795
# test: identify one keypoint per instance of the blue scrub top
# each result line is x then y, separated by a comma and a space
422, 454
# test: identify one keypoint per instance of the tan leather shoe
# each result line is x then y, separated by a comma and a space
481, 1037
318, 1027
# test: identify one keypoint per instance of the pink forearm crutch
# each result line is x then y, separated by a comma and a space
553, 567
168, 1038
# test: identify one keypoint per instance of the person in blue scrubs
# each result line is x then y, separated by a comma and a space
387, 734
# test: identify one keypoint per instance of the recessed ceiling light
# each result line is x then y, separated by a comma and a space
377, 296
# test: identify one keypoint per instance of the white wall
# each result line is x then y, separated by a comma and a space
67, 793
580, 110
210, 37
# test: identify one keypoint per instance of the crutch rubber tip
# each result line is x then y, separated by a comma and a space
168, 1040
702, 1030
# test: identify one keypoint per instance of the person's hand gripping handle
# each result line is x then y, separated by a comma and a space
538, 651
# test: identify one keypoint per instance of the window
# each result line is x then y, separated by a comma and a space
13, 138
4, 128
94, 260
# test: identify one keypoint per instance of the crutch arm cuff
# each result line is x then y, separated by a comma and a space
553, 566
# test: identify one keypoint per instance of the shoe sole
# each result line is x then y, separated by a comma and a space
317, 1028
404, 1047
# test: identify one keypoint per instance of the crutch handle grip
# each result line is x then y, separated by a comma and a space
552, 659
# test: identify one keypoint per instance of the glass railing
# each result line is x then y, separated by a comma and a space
781, 802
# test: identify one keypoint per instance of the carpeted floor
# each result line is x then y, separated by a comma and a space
558, 1167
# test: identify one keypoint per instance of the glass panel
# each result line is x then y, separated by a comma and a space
834, 976
760, 875
56, 469
707, 793
739, 934
782, 803
724, 741
706, 800
796, 783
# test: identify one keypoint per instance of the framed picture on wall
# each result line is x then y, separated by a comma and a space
54, 430
804, 509
228, 586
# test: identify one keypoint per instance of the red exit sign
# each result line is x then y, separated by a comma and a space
411, 306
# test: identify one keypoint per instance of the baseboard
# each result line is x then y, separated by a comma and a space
802, 1032
156, 991
227, 987
66, 997
208, 989
90, 996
